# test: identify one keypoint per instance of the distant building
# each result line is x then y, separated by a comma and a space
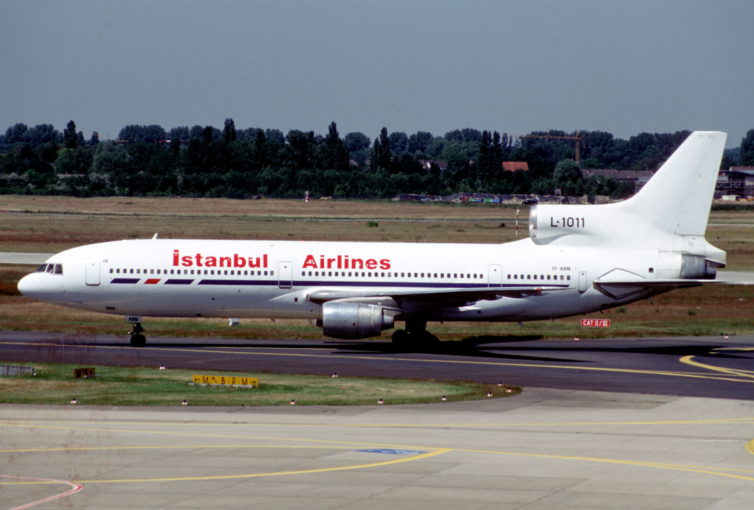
638, 177
737, 180
514, 166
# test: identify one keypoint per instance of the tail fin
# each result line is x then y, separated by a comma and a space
678, 196
669, 213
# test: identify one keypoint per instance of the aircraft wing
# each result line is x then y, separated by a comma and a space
430, 298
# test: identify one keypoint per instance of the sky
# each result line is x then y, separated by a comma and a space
513, 66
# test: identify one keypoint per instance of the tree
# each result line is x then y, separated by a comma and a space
70, 137
50, 152
747, 149
179, 133
568, 178
381, 155
41, 133
398, 143
419, 141
16, 133
229, 131
135, 133
196, 131
471, 135
74, 161
334, 155
356, 142
484, 160
109, 158
301, 149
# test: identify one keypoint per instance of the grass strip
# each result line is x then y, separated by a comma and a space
143, 386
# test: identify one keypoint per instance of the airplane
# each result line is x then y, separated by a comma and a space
577, 259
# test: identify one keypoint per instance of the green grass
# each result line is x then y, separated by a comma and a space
55, 384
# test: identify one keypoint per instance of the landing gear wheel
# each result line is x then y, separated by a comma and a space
137, 339
427, 339
401, 340
415, 336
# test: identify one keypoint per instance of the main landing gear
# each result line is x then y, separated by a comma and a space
415, 336
137, 338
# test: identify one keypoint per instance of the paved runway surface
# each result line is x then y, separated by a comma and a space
648, 441
541, 450
691, 366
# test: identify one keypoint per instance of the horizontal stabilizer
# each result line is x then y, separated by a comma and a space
621, 289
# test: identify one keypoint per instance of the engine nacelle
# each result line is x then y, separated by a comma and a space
550, 222
588, 224
354, 320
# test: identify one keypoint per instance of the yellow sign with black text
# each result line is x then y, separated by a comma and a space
226, 380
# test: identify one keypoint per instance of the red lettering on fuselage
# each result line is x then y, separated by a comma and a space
344, 262
235, 261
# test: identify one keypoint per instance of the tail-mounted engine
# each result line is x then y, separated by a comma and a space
550, 222
343, 319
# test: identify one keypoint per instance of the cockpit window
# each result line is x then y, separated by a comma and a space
50, 268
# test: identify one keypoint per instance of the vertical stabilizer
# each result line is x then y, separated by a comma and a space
678, 196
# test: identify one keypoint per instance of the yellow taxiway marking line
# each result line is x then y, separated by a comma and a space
689, 360
88, 425
71, 449
437, 451
142, 431
739, 474
660, 465
667, 373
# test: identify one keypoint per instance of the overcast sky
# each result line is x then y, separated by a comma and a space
623, 66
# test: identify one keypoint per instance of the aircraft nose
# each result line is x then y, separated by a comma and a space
26, 285
42, 286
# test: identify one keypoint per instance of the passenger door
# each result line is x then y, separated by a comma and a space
92, 274
285, 275
495, 275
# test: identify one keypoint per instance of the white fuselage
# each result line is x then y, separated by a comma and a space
210, 278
